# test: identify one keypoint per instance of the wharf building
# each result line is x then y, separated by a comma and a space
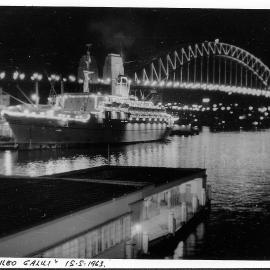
101, 212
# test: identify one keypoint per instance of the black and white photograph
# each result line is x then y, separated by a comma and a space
134, 133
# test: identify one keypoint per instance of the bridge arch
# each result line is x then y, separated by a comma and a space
163, 68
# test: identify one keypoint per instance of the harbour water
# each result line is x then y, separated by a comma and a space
237, 163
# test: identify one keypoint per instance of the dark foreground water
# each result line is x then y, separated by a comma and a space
238, 168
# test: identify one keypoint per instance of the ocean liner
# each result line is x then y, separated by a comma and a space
71, 119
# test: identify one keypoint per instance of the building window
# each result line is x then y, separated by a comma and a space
48, 254
127, 227
65, 250
163, 199
88, 245
121, 230
103, 237
118, 232
175, 196
112, 234
58, 252
188, 188
99, 240
94, 244
188, 195
106, 237
73, 249
82, 247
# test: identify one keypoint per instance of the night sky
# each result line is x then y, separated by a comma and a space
53, 39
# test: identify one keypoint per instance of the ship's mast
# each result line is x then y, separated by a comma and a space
87, 72
88, 57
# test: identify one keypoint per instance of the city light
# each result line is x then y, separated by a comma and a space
22, 76
2, 75
176, 84
169, 84
229, 89
15, 75
71, 78
34, 97
54, 78
206, 100
162, 83
36, 77
146, 82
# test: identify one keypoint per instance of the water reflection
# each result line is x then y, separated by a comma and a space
8, 159
179, 251
191, 245
34, 163
200, 231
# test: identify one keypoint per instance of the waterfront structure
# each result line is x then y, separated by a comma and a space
106, 211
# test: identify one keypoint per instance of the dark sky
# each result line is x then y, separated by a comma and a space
38, 38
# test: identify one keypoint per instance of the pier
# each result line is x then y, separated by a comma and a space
105, 211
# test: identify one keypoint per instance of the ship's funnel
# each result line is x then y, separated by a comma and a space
112, 70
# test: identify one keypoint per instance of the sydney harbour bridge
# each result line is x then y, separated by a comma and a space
211, 66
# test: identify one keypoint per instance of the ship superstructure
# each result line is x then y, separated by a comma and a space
90, 118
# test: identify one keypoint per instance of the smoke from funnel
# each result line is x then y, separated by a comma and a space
116, 35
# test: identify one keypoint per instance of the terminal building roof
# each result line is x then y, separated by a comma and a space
133, 174
29, 201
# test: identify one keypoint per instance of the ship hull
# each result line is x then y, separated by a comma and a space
36, 133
